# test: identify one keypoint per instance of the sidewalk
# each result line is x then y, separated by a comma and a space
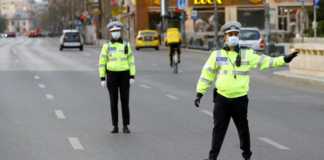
300, 78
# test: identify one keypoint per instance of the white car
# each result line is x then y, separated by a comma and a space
71, 39
252, 38
3, 35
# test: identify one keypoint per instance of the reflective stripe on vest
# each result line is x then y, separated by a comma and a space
271, 62
244, 57
226, 72
205, 80
261, 60
221, 60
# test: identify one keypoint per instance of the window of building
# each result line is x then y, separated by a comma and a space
251, 17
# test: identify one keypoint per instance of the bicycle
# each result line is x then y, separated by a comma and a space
175, 63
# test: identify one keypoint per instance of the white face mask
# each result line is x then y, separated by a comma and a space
233, 41
115, 35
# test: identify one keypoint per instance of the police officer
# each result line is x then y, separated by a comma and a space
230, 67
117, 72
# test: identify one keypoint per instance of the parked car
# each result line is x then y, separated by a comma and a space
33, 34
252, 38
3, 35
71, 39
147, 39
11, 34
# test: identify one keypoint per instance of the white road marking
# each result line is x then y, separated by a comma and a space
206, 112
145, 86
171, 97
155, 64
59, 114
49, 96
36, 77
41, 85
273, 143
75, 143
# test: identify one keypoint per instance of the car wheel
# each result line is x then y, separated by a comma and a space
137, 48
81, 48
61, 48
157, 48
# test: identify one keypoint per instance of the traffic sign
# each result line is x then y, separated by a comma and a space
182, 4
316, 3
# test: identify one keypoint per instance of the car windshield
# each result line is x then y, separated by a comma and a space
249, 35
72, 35
148, 33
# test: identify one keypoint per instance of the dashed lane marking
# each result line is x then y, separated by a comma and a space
145, 86
36, 77
273, 143
59, 114
172, 97
49, 97
41, 85
75, 143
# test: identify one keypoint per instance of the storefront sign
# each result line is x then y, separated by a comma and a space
203, 2
226, 2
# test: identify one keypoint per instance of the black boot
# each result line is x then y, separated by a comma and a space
126, 130
115, 130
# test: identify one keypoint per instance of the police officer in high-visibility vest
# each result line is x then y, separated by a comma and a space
117, 72
230, 67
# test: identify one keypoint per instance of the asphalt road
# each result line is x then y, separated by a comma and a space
52, 107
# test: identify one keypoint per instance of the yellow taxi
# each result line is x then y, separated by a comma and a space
147, 39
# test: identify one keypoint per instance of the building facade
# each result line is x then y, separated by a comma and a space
285, 15
17, 12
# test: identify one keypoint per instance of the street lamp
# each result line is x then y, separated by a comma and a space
216, 45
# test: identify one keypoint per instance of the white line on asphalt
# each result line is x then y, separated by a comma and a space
75, 143
41, 85
172, 97
36, 77
273, 143
59, 114
155, 64
145, 86
49, 96
206, 112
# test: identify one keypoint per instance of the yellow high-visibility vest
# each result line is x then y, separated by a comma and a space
230, 80
116, 57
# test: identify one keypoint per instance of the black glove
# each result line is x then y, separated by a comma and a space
197, 100
290, 57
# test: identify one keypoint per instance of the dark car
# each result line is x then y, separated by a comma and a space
11, 34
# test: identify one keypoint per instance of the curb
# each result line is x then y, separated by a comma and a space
307, 80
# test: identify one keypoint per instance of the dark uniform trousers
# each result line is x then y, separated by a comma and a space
118, 82
224, 110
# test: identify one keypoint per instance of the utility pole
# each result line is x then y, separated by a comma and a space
267, 26
164, 13
315, 20
105, 8
303, 20
216, 44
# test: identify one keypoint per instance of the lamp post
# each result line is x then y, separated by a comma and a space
216, 45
